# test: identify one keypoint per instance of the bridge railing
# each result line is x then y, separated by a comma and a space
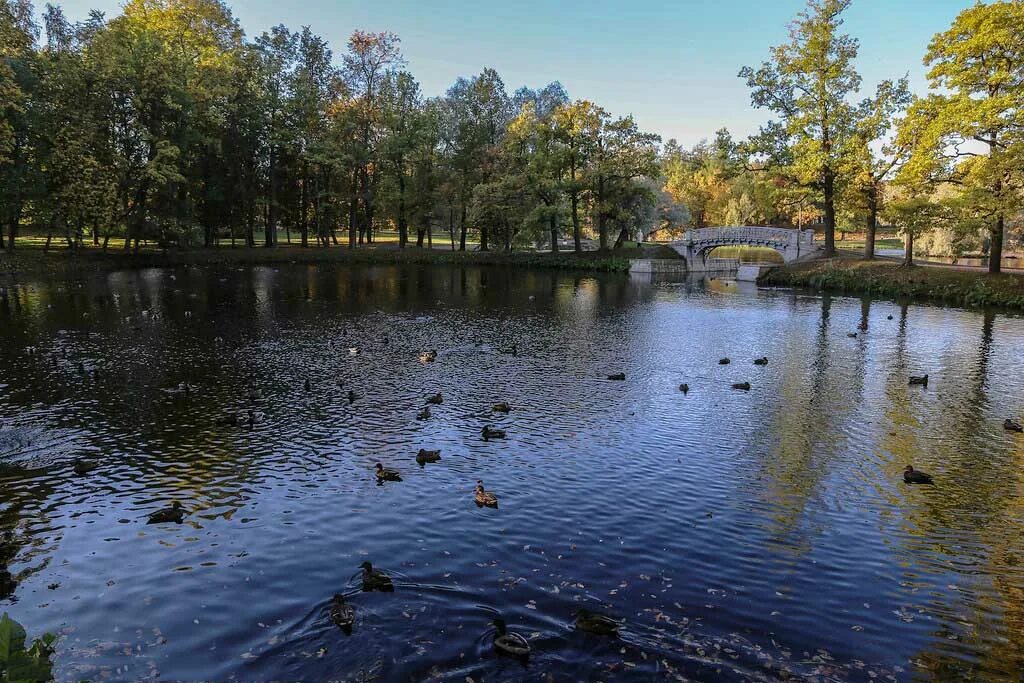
752, 234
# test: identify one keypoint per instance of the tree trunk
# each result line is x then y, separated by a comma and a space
577, 243
829, 191
403, 227
553, 226
270, 236
908, 258
304, 205
462, 229
451, 224
872, 226
602, 228
995, 250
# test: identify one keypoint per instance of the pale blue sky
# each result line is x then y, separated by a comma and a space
672, 64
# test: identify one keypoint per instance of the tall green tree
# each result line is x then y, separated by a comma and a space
808, 83
968, 131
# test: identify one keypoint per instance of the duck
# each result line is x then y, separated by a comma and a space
1013, 426
425, 456
509, 643
851, 335
922, 380
387, 474
724, 361
353, 350
912, 476
763, 360
599, 624
428, 356
744, 386
502, 407
483, 497
308, 386
83, 467
489, 433
352, 396
619, 376
889, 317
342, 614
435, 400
375, 579
423, 414
255, 417
684, 387
175, 513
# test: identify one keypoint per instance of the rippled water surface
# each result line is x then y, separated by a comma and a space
742, 535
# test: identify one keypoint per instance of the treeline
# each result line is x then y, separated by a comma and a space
165, 124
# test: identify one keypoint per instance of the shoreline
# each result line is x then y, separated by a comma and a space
33, 261
888, 279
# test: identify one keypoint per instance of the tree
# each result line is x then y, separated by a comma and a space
18, 79
807, 84
577, 126
622, 156
968, 130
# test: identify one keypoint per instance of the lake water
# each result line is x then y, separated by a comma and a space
742, 535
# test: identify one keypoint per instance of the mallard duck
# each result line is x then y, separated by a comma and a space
889, 317
502, 407
619, 376
308, 386
744, 386
763, 360
510, 643
375, 579
353, 350
425, 456
599, 624
684, 387
352, 396
922, 380
175, 513
489, 433
386, 474
483, 497
1013, 426
435, 400
342, 614
724, 361
428, 356
83, 467
912, 476
423, 414
851, 335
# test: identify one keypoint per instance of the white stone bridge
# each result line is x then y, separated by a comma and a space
697, 244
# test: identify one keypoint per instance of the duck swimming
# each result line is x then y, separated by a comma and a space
435, 400
428, 356
83, 467
744, 386
483, 497
502, 407
175, 513
922, 380
763, 360
599, 624
342, 614
489, 433
352, 396
684, 387
386, 474
375, 579
1013, 426
308, 386
425, 456
724, 361
912, 476
619, 376
509, 643
423, 414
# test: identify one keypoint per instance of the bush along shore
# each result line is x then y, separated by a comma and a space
892, 280
34, 261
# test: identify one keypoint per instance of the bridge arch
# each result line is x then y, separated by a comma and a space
696, 244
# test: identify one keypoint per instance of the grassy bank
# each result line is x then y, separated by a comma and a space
892, 280
34, 261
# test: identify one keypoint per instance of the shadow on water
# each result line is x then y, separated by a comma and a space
742, 535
